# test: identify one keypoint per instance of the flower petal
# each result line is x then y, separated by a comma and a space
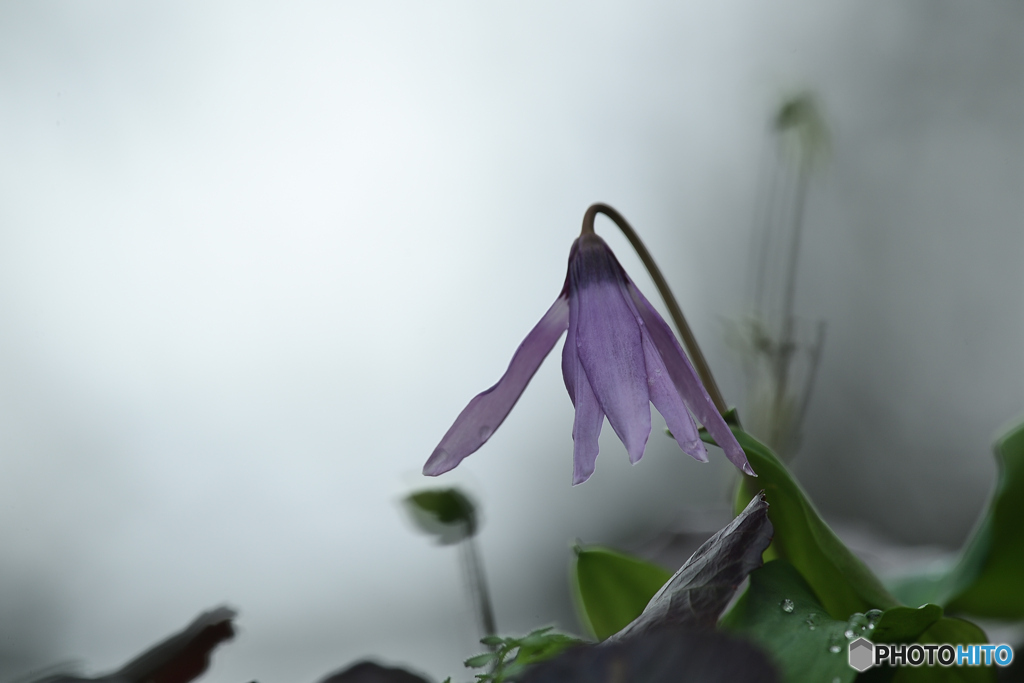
610, 350
488, 410
586, 428
666, 399
694, 395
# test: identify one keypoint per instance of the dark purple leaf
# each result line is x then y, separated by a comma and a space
370, 672
179, 659
698, 593
662, 655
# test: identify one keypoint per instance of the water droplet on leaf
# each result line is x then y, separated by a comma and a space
787, 606
857, 625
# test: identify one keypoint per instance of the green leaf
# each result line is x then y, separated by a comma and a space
986, 579
538, 647
779, 607
842, 582
492, 641
481, 660
514, 655
612, 589
954, 632
780, 612
447, 514
905, 624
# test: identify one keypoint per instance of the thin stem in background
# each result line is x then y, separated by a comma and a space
787, 346
478, 584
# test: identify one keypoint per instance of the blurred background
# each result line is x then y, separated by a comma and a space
255, 258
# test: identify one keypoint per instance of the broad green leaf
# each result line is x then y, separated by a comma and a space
843, 583
986, 579
612, 589
954, 632
447, 514
781, 613
697, 594
905, 624
779, 608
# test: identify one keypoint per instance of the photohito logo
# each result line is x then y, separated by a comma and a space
864, 654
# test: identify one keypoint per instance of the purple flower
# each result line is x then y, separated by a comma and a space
619, 356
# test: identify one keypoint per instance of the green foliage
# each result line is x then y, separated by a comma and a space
511, 656
945, 630
612, 589
780, 612
842, 583
447, 514
905, 624
986, 580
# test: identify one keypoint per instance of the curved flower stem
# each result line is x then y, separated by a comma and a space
699, 363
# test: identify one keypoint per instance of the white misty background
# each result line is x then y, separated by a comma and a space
255, 258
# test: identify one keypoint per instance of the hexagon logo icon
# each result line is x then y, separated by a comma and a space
862, 654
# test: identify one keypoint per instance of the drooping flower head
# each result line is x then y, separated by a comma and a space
619, 357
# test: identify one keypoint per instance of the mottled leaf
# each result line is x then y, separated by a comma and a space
698, 593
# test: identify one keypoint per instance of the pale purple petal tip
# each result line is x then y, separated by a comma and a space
694, 395
485, 413
666, 399
586, 429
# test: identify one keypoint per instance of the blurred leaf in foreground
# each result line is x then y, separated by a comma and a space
667, 655
179, 659
371, 672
